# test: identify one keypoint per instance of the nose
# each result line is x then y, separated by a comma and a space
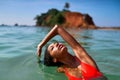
56, 44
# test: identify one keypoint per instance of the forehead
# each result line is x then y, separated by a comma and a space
50, 46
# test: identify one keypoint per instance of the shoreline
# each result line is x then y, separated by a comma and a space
108, 28
97, 28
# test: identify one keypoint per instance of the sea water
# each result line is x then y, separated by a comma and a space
18, 59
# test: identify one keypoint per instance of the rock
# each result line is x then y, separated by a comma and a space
65, 19
78, 20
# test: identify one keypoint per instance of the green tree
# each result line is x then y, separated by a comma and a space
52, 17
56, 19
66, 6
52, 11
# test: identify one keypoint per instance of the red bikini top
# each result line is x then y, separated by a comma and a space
88, 72
70, 77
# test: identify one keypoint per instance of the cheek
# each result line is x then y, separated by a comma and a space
55, 54
64, 50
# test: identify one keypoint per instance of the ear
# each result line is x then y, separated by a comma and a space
54, 60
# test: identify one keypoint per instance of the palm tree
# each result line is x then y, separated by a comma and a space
67, 5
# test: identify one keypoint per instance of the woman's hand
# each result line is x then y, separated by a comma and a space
50, 35
39, 50
60, 70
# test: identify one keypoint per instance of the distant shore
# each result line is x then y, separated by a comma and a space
108, 28
97, 28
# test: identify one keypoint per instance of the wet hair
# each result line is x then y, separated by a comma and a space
48, 59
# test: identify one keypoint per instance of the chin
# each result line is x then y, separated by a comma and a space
64, 49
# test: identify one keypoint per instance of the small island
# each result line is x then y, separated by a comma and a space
65, 18
68, 19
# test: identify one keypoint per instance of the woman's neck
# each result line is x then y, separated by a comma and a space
69, 61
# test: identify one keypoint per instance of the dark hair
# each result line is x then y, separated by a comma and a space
48, 59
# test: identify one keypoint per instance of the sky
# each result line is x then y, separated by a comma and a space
105, 13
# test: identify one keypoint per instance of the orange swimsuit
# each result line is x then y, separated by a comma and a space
88, 72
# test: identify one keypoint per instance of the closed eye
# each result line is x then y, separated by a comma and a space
51, 48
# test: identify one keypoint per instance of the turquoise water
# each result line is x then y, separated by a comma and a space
19, 62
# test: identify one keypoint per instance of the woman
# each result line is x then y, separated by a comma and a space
78, 67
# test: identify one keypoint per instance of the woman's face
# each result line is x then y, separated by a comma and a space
57, 49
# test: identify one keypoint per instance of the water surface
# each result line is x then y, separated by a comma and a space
18, 60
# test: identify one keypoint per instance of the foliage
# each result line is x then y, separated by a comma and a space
52, 17
66, 6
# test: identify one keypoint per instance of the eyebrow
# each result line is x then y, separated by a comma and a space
51, 47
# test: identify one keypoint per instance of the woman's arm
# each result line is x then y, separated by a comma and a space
64, 34
78, 50
50, 35
54, 31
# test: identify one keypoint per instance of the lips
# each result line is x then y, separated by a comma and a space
60, 46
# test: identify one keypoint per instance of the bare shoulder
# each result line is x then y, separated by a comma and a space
60, 69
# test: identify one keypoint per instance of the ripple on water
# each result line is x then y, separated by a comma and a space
18, 47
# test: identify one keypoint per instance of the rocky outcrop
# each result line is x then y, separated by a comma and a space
65, 19
78, 20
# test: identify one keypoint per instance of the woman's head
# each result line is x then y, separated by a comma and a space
53, 52
57, 50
